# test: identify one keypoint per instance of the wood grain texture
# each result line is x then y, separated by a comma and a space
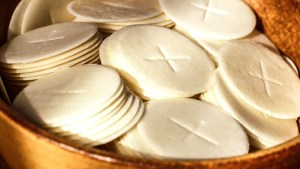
280, 20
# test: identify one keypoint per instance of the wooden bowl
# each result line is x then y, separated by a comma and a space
26, 146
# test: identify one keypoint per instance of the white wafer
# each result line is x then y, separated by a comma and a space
261, 78
158, 60
98, 126
75, 61
100, 117
154, 20
211, 19
40, 13
57, 61
132, 117
46, 42
69, 93
265, 130
189, 129
120, 91
214, 46
113, 10
56, 58
131, 145
15, 25
291, 63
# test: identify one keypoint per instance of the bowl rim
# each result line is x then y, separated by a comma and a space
118, 159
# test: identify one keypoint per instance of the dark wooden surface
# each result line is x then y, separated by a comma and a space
5, 16
3, 164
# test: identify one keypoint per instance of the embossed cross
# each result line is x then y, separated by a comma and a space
50, 37
165, 56
207, 9
194, 132
266, 80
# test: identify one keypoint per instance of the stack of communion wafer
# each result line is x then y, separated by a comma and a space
158, 63
263, 95
183, 129
218, 24
33, 14
253, 84
87, 104
112, 15
210, 23
40, 52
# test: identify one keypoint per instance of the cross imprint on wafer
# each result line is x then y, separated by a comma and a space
117, 5
95, 9
46, 40
194, 132
266, 80
50, 37
207, 9
167, 58
68, 92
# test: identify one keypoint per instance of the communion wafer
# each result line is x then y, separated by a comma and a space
46, 42
94, 59
96, 130
114, 10
20, 85
24, 79
211, 19
118, 94
14, 28
266, 130
87, 104
183, 129
119, 14
153, 20
133, 116
47, 63
128, 144
100, 117
261, 78
40, 52
40, 13
55, 58
160, 59
291, 63
141, 88
146, 92
68, 93
112, 28
84, 58
96, 126
214, 46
